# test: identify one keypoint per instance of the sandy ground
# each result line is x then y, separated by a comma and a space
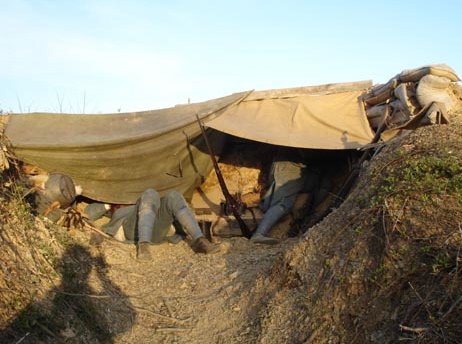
184, 297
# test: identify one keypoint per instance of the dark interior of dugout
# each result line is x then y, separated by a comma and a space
335, 171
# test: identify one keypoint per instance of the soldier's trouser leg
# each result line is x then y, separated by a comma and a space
175, 207
187, 220
147, 208
271, 217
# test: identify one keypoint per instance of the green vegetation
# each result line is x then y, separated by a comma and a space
416, 196
421, 176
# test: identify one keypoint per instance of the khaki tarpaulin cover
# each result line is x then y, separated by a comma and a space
311, 117
114, 157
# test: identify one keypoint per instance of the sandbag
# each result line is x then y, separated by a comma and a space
375, 115
381, 93
436, 114
387, 87
371, 100
406, 94
399, 113
432, 88
442, 70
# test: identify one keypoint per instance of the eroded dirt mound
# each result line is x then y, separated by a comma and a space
385, 266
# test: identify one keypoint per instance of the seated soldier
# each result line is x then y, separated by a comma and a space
149, 220
289, 176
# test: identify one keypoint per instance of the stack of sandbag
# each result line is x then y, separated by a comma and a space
428, 92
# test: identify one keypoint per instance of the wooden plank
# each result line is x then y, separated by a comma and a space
309, 90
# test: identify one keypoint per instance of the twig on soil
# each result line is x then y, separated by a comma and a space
46, 329
169, 310
400, 159
399, 216
22, 338
93, 296
165, 317
171, 329
95, 229
312, 336
451, 308
36, 254
413, 329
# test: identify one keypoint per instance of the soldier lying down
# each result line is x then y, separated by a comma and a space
148, 222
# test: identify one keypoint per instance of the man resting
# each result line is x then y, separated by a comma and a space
148, 222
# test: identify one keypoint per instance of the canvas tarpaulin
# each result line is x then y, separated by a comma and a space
321, 117
114, 157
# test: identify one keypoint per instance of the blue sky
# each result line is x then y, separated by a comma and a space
102, 56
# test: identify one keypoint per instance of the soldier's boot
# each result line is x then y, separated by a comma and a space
202, 245
269, 220
189, 223
143, 251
